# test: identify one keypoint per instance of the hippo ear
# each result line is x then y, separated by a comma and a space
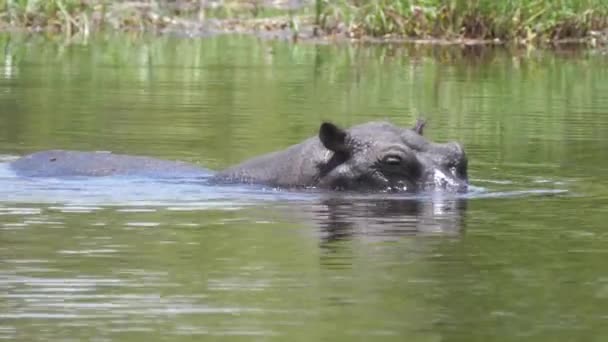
332, 137
419, 127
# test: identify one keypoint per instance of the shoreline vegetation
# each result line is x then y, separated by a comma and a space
521, 22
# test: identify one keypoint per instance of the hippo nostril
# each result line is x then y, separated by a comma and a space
453, 171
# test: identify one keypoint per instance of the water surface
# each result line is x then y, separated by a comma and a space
520, 257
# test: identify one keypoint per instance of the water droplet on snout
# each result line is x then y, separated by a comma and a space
442, 180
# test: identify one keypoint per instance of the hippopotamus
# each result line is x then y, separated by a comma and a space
366, 157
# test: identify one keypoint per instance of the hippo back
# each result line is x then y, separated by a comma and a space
60, 163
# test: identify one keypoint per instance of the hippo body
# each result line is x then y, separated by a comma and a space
370, 156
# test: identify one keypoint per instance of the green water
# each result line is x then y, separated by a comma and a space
521, 258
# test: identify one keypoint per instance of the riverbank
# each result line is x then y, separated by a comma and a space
521, 22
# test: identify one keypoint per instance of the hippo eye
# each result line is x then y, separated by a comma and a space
392, 160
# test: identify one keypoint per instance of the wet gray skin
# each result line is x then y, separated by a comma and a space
368, 157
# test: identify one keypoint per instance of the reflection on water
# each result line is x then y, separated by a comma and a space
88, 280
520, 256
343, 217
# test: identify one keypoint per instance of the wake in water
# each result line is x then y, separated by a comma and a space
136, 191
338, 215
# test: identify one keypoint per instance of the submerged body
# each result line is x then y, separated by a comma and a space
370, 156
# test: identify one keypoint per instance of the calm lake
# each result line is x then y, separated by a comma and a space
521, 257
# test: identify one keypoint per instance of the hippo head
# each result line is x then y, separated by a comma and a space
381, 156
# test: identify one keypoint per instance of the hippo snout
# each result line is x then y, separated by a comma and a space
446, 167
448, 181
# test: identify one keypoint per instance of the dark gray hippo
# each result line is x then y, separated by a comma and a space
370, 156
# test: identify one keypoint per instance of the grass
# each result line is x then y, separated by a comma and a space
508, 20
478, 19
85, 16
64, 15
